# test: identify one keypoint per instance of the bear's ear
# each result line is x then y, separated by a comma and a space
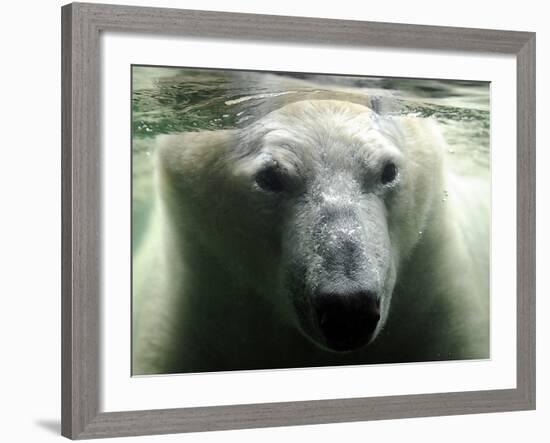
192, 153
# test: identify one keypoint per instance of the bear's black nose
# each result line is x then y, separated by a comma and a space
347, 318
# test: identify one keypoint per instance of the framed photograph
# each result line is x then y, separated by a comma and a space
273, 221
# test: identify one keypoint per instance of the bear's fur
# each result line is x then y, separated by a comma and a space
235, 259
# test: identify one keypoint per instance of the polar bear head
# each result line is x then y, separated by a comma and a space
314, 207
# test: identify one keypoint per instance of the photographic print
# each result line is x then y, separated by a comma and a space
292, 220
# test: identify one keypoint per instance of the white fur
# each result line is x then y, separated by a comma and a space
207, 280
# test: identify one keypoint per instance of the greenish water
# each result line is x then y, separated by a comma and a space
167, 100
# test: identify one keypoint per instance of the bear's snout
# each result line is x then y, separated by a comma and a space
347, 317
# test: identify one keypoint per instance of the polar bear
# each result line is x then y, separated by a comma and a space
321, 234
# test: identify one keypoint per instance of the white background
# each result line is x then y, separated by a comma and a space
30, 240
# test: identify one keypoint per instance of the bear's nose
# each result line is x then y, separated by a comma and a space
347, 319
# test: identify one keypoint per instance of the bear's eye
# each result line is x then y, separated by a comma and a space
389, 173
270, 179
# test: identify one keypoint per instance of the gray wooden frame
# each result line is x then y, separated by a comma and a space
81, 205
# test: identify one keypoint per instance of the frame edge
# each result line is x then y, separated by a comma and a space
67, 425
526, 221
81, 245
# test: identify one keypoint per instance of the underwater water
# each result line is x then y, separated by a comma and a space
169, 100
438, 290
